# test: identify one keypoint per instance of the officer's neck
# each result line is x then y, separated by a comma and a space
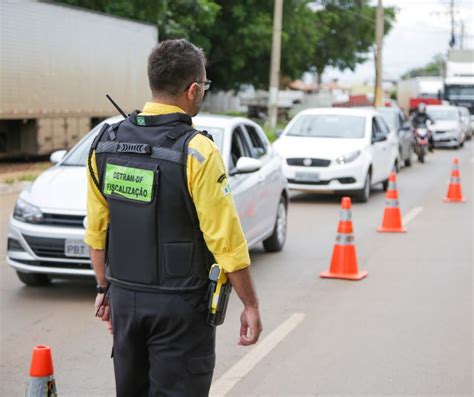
180, 102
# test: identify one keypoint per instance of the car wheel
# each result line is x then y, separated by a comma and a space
276, 241
385, 185
33, 279
362, 195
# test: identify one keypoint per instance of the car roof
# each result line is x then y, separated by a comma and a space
356, 111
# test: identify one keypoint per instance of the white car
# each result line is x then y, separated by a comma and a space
447, 129
465, 119
337, 150
46, 231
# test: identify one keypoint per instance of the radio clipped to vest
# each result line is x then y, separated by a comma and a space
219, 293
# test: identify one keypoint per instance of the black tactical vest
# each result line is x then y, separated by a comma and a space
153, 241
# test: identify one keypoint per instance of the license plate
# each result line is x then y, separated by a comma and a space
307, 177
76, 248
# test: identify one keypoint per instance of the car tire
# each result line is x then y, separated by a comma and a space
385, 185
276, 241
33, 279
362, 195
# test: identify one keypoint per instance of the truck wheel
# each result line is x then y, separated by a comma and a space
33, 279
362, 195
276, 241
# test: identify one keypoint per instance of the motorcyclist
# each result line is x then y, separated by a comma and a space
420, 118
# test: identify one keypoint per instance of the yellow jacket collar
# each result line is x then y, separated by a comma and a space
154, 109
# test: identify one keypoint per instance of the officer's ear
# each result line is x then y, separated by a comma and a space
192, 91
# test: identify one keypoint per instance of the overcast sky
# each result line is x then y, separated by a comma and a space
422, 30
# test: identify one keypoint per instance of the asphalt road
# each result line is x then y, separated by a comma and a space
405, 330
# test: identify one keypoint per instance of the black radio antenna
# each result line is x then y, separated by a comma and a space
116, 106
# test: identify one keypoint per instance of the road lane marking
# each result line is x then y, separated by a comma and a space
411, 215
242, 367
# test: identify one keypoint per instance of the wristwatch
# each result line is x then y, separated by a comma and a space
101, 290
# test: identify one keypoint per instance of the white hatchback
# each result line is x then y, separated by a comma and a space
337, 150
46, 231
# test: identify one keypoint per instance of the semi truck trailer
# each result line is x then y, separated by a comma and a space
57, 64
459, 79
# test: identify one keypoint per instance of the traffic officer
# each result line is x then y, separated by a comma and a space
160, 213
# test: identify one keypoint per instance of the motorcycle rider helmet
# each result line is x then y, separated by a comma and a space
421, 108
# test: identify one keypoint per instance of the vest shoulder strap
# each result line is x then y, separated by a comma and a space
174, 134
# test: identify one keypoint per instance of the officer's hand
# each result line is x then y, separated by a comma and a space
251, 326
102, 307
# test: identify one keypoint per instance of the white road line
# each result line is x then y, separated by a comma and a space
411, 215
242, 367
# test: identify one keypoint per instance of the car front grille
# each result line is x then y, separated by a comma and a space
63, 220
297, 161
46, 247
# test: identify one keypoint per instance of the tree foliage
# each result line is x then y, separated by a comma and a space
237, 34
433, 68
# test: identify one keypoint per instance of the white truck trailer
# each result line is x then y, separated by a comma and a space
459, 79
419, 89
57, 64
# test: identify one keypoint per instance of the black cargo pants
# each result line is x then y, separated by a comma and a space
163, 345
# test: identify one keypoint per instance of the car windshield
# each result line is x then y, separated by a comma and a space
390, 118
460, 93
328, 126
216, 132
78, 154
443, 114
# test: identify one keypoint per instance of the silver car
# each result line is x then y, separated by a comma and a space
46, 231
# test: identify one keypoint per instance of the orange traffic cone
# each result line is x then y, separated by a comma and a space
454, 194
41, 383
392, 217
344, 260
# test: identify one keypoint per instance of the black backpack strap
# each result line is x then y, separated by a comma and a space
95, 144
174, 134
207, 135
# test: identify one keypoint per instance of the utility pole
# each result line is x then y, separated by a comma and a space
275, 65
378, 95
452, 41
461, 38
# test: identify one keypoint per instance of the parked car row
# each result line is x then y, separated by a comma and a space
45, 237
331, 150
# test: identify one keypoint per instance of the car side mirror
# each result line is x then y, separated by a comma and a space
406, 125
246, 165
379, 138
57, 156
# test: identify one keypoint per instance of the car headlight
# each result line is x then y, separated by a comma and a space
453, 132
347, 158
27, 213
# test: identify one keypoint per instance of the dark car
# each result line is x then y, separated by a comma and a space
396, 121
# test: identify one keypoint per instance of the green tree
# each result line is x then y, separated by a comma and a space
346, 33
433, 68
237, 34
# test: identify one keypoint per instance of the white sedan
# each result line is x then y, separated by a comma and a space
46, 231
337, 150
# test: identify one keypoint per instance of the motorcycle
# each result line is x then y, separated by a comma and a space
422, 140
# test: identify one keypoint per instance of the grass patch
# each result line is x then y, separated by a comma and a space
27, 177
9, 181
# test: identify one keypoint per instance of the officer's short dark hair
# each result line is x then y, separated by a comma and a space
173, 65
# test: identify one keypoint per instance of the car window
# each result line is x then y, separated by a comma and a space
375, 128
442, 114
401, 119
328, 126
239, 147
257, 146
382, 126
